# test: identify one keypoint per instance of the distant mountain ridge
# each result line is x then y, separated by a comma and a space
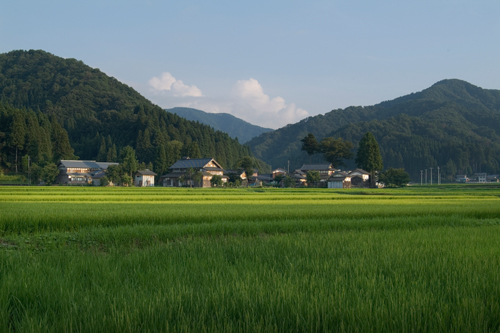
224, 122
452, 120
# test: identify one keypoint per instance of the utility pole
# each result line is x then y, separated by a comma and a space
29, 173
421, 177
439, 177
431, 175
426, 177
288, 166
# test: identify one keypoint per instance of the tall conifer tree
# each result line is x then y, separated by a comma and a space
369, 157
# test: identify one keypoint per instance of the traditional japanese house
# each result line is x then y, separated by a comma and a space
196, 172
72, 172
325, 170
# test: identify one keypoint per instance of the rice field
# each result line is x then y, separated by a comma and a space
156, 259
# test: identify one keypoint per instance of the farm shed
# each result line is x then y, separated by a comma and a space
144, 178
339, 180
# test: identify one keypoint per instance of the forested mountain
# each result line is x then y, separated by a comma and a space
235, 127
102, 115
453, 124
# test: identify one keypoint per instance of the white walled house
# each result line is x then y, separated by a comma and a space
480, 177
144, 178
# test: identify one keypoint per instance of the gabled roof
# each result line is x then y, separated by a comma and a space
83, 164
323, 166
146, 172
195, 163
360, 171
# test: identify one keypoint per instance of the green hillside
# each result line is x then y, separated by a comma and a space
451, 121
102, 115
224, 122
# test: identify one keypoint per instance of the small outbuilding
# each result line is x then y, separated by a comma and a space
144, 178
339, 180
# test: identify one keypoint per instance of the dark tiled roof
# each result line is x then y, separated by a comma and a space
146, 172
195, 163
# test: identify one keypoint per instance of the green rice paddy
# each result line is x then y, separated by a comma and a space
157, 259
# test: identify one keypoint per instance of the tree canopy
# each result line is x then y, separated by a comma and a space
310, 145
395, 177
336, 151
248, 165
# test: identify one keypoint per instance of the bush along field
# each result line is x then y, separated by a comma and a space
131, 259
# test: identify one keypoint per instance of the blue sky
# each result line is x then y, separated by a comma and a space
268, 62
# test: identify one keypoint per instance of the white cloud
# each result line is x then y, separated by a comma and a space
268, 111
246, 100
166, 82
